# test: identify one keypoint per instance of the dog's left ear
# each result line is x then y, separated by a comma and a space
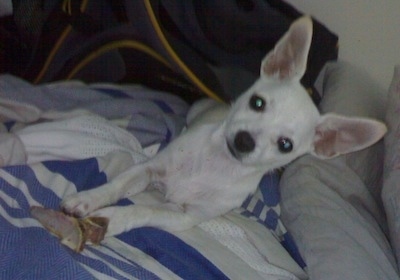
288, 60
337, 135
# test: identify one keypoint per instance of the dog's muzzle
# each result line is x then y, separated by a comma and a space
242, 144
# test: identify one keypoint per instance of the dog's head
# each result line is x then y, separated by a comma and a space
275, 120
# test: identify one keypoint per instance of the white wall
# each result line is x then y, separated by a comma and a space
369, 31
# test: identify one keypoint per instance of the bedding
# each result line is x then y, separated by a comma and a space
60, 138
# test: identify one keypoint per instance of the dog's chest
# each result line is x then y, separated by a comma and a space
194, 180
196, 170
205, 167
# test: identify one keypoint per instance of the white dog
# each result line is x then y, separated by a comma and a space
213, 166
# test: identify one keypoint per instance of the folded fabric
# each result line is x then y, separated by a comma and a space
77, 138
152, 116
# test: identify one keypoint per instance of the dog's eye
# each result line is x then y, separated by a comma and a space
257, 103
285, 145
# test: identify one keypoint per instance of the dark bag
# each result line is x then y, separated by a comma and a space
190, 47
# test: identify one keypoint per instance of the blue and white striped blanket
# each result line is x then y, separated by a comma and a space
28, 251
248, 243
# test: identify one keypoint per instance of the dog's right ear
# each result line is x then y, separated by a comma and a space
288, 60
337, 135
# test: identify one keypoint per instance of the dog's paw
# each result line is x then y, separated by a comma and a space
79, 204
119, 218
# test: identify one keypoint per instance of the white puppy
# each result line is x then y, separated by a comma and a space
212, 167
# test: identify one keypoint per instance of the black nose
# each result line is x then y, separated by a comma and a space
244, 143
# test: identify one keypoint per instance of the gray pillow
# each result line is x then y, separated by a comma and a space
350, 91
331, 207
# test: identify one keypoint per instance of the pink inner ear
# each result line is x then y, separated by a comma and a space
343, 139
324, 143
279, 63
338, 136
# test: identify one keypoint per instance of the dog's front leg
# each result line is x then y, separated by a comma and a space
128, 183
168, 216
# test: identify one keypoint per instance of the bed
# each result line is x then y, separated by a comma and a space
315, 220
53, 148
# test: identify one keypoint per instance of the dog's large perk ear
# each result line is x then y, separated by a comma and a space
288, 60
337, 135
